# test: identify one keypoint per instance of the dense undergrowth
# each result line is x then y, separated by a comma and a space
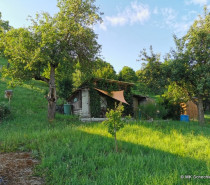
72, 152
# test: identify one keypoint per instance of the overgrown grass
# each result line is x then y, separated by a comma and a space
72, 152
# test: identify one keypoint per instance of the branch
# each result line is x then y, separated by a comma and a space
44, 79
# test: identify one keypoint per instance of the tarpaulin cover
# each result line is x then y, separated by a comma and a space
117, 95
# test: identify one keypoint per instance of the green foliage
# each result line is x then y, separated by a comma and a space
3, 61
128, 108
207, 117
4, 111
127, 74
142, 89
99, 69
172, 98
190, 64
65, 88
102, 69
21, 42
176, 93
51, 41
153, 73
109, 87
4, 27
81, 73
173, 108
95, 105
114, 121
152, 110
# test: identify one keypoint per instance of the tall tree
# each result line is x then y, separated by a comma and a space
153, 72
66, 36
102, 69
127, 74
191, 64
99, 69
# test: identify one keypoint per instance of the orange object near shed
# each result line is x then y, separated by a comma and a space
117, 95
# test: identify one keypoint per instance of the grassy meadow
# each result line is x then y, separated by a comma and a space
72, 152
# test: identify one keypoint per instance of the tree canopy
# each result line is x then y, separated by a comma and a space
127, 74
103, 69
190, 67
51, 41
4, 27
153, 72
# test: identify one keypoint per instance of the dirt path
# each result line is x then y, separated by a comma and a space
17, 169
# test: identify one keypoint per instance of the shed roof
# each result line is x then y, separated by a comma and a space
117, 95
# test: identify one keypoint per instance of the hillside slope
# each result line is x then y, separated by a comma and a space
72, 152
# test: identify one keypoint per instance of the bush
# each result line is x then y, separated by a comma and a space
174, 108
114, 122
65, 88
172, 98
152, 110
4, 111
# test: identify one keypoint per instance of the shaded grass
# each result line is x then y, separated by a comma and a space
207, 117
3, 61
72, 152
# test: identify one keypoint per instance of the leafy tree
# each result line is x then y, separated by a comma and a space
65, 87
141, 88
172, 98
99, 69
190, 67
78, 77
4, 27
51, 41
153, 72
127, 74
21, 50
114, 122
102, 69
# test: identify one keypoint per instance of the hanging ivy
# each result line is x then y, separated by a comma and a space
95, 104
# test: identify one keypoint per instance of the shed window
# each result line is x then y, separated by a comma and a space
75, 100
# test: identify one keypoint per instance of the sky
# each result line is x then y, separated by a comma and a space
128, 25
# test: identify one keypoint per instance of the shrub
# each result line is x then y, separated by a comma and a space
172, 98
114, 122
174, 109
4, 111
152, 110
65, 88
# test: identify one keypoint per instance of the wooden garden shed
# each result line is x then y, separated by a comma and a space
94, 97
190, 108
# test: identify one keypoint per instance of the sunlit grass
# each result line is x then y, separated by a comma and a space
173, 141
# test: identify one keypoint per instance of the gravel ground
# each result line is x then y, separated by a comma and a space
17, 169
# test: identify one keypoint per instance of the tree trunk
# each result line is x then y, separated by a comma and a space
52, 94
200, 111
